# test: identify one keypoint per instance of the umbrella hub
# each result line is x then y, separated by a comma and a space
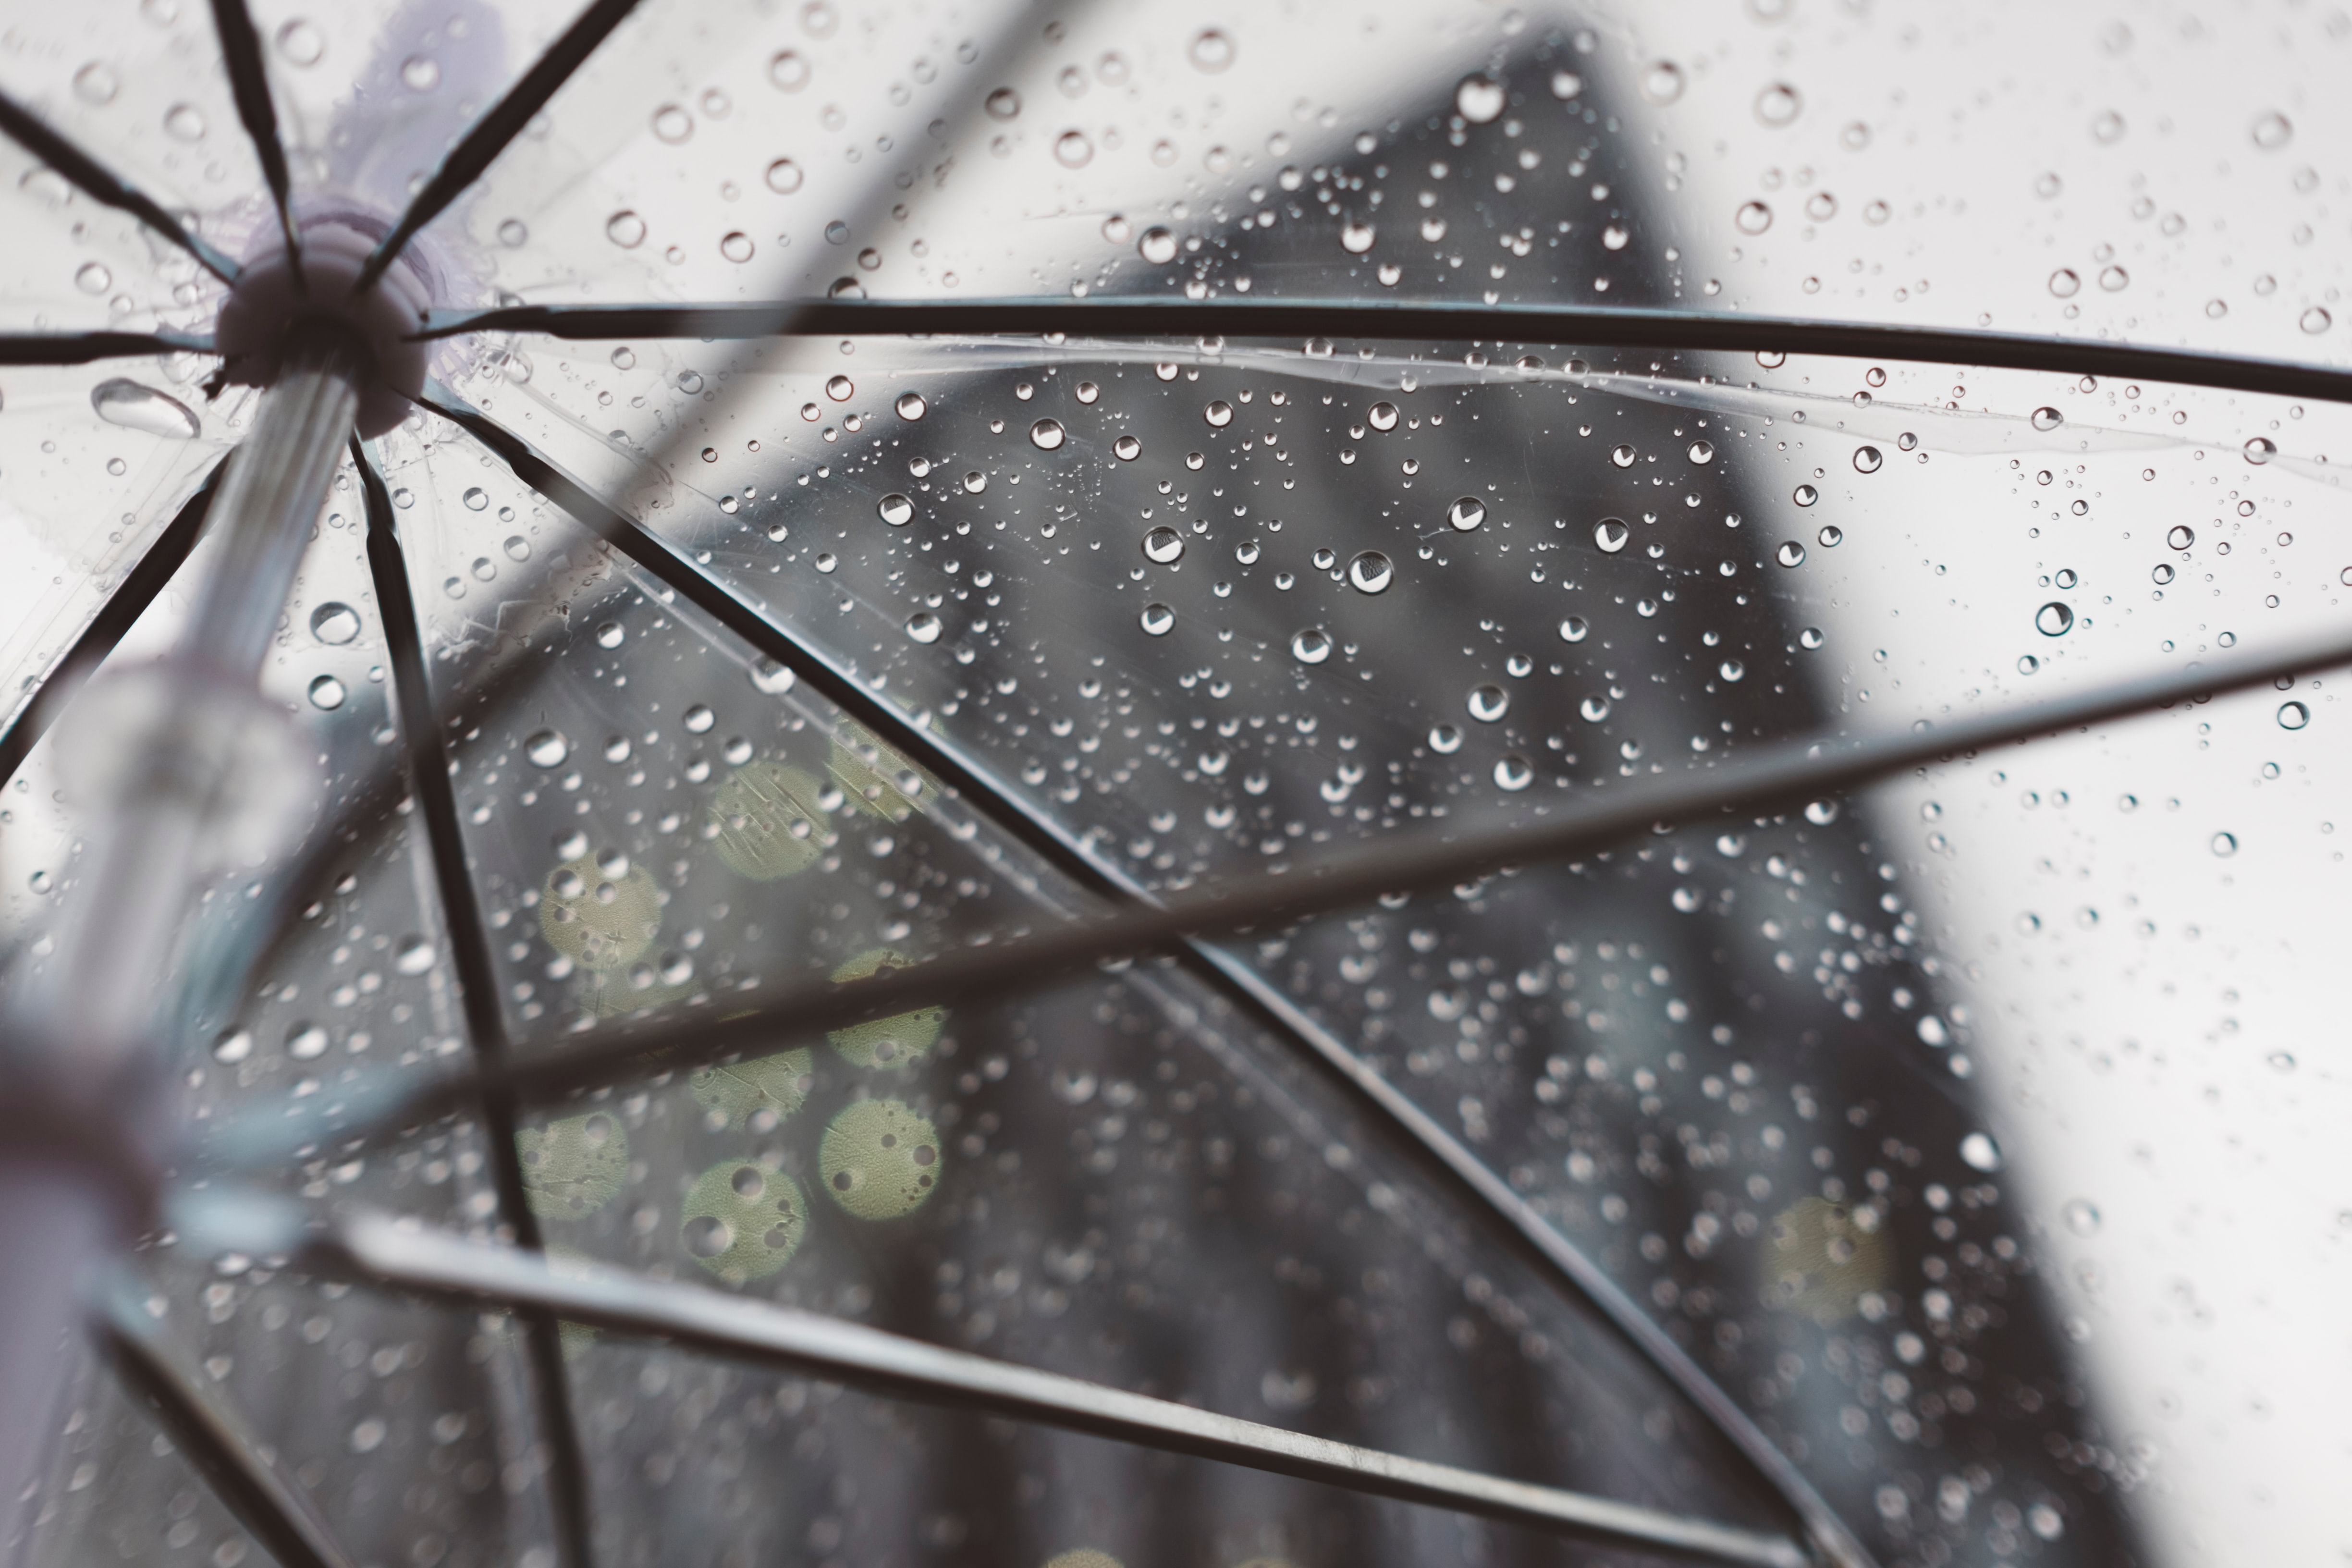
272, 297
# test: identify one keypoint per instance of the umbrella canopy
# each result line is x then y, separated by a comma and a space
1103, 785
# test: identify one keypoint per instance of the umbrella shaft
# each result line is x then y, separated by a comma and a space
268, 506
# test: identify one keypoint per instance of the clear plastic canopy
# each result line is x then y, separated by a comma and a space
1925, 1168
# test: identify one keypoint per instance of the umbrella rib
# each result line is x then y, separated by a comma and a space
449, 1269
1587, 326
477, 983
499, 125
248, 81
115, 618
101, 184
83, 348
268, 1503
1450, 1159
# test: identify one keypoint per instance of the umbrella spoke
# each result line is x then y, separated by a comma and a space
270, 1505
249, 82
741, 1328
1437, 321
102, 184
83, 348
477, 983
489, 135
115, 618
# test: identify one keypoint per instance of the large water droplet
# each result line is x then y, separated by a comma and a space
1576, 628
1158, 247
2181, 536
1371, 572
625, 230
1623, 455
789, 70
1212, 50
673, 124
1356, 238
1047, 435
2047, 418
1594, 707
1311, 645
1611, 534
1219, 414
1661, 82
185, 122
1127, 448
1804, 495
1445, 739
414, 956
2053, 619
97, 83
233, 1045
610, 634
2293, 716
327, 693
420, 73
700, 719
2082, 1216
1866, 459
1163, 544
1467, 513
1791, 553
2065, 283
2273, 130
736, 246
546, 748
1753, 217
121, 401
1778, 104
785, 177
305, 1041
1156, 620
1488, 703
910, 407
302, 44
1072, 150
1513, 772
2225, 844
1830, 536
1382, 416
896, 509
334, 622
2261, 449
1479, 98
1981, 1152
1702, 452
924, 628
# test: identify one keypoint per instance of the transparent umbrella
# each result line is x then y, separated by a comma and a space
1099, 785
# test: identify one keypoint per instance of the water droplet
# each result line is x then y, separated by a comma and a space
1047, 435
2065, 577
789, 70
2315, 320
334, 623
1594, 707
2065, 283
2273, 130
1219, 414
2053, 619
305, 1041
513, 234
1753, 217
92, 278
2047, 418
1821, 812
546, 749
1163, 544
771, 677
610, 634
1158, 247
700, 719
1479, 98
1866, 459
121, 401
1072, 150
1467, 513
1356, 238
2113, 279
1311, 645
1566, 85
2293, 716
1444, 740
476, 498
673, 124
896, 509
1791, 553
233, 1045
2162, 574
2082, 1216
1804, 495
184, 122
1212, 50
1002, 104
300, 43
420, 73
97, 83
1731, 669
785, 177
414, 955
974, 482
625, 230
2225, 844
923, 627
1811, 637
1830, 536
1127, 448
1371, 572
1981, 1152
1513, 772
1778, 105
1661, 82
1611, 534
1382, 416
1158, 620
2181, 536
736, 246
2261, 449
1488, 703
910, 407
1576, 628
1702, 452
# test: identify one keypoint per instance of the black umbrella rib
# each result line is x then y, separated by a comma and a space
101, 184
114, 619
85, 348
249, 82
1574, 326
469, 953
488, 136
271, 1506
448, 1268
